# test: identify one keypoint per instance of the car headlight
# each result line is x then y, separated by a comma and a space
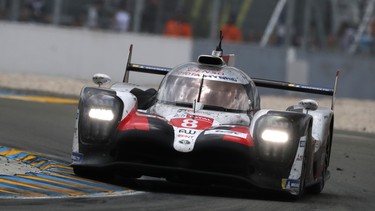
275, 136
101, 114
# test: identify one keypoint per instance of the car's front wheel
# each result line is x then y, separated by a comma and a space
302, 179
318, 187
92, 173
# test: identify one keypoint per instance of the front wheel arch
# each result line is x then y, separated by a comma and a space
319, 186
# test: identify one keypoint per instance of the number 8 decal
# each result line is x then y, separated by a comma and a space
190, 123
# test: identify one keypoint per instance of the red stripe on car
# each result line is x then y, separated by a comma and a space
242, 131
134, 121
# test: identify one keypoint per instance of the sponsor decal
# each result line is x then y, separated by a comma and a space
226, 132
187, 128
184, 136
187, 131
216, 75
77, 157
289, 183
283, 183
299, 157
179, 115
224, 78
192, 122
212, 72
197, 75
184, 144
184, 141
183, 110
293, 183
199, 72
239, 135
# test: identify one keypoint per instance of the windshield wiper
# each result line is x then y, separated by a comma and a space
200, 89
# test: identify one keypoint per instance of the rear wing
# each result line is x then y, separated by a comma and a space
300, 87
142, 68
258, 82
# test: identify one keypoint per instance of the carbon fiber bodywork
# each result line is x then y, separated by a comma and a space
203, 125
148, 150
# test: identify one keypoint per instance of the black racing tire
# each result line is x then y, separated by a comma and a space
318, 187
92, 173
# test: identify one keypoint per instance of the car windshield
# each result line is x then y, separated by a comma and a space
213, 94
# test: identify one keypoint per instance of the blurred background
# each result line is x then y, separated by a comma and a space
347, 25
302, 41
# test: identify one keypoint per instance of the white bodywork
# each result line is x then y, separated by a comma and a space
195, 98
188, 125
322, 118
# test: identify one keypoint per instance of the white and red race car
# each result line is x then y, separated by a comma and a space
203, 124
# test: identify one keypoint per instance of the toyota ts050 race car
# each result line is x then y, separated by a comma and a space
204, 124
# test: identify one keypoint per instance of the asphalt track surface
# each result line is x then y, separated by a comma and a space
47, 128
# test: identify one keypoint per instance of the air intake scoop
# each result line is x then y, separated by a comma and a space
211, 60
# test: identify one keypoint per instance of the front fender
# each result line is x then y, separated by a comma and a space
99, 113
286, 129
278, 159
322, 126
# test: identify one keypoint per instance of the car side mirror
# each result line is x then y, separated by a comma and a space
100, 79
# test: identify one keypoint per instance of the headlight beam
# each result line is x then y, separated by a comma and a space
275, 136
101, 114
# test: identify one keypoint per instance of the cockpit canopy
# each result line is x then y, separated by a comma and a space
217, 88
